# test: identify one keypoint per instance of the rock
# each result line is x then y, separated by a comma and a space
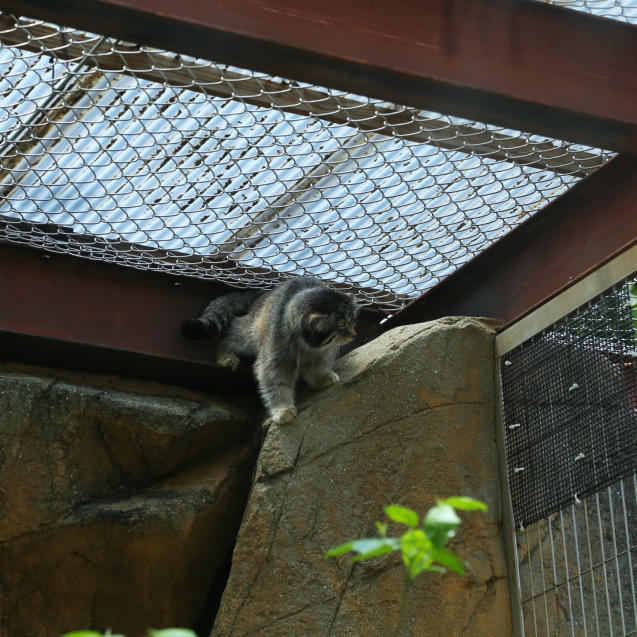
411, 420
117, 508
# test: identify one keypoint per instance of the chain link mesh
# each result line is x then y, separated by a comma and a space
570, 422
137, 156
570, 406
622, 10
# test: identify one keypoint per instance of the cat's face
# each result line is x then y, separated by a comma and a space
330, 320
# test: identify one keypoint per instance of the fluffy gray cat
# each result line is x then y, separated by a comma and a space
292, 332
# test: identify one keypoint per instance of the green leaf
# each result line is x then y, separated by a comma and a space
402, 515
441, 524
382, 529
416, 551
366, 547
172, 632
386, 545
415, 540
464, 503
340, 549
368, 544
448, 559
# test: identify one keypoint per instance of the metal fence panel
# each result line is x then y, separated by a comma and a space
570, 426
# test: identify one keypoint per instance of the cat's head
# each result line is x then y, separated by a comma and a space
329, 318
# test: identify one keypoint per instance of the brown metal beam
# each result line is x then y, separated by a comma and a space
519, 63
579, 231
71, 312
62, 239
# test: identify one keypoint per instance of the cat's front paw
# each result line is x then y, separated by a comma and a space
230, 361
327, 379
281, 416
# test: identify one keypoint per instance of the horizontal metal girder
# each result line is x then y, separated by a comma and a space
576, 233
76, 313
70, 312
522, 64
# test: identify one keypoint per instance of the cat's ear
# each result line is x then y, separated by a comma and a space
315, 321
352, 297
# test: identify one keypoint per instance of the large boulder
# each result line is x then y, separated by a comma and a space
117, 507
411, 420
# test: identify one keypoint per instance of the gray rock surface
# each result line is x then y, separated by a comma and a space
118, 505
411, 420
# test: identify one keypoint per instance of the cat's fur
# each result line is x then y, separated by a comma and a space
292, 332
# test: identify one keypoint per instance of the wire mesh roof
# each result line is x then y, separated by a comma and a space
129, 154
622, 10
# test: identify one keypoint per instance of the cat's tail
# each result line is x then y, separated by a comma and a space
219, 314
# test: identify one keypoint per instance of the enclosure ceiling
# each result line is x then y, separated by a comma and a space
623, 10
153, 160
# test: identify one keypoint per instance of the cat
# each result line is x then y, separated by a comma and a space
292, 332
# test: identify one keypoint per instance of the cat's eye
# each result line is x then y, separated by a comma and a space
341, 323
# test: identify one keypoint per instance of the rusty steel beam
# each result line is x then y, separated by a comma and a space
71, 312
65, 311
522, 64
579, 231
68, 298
